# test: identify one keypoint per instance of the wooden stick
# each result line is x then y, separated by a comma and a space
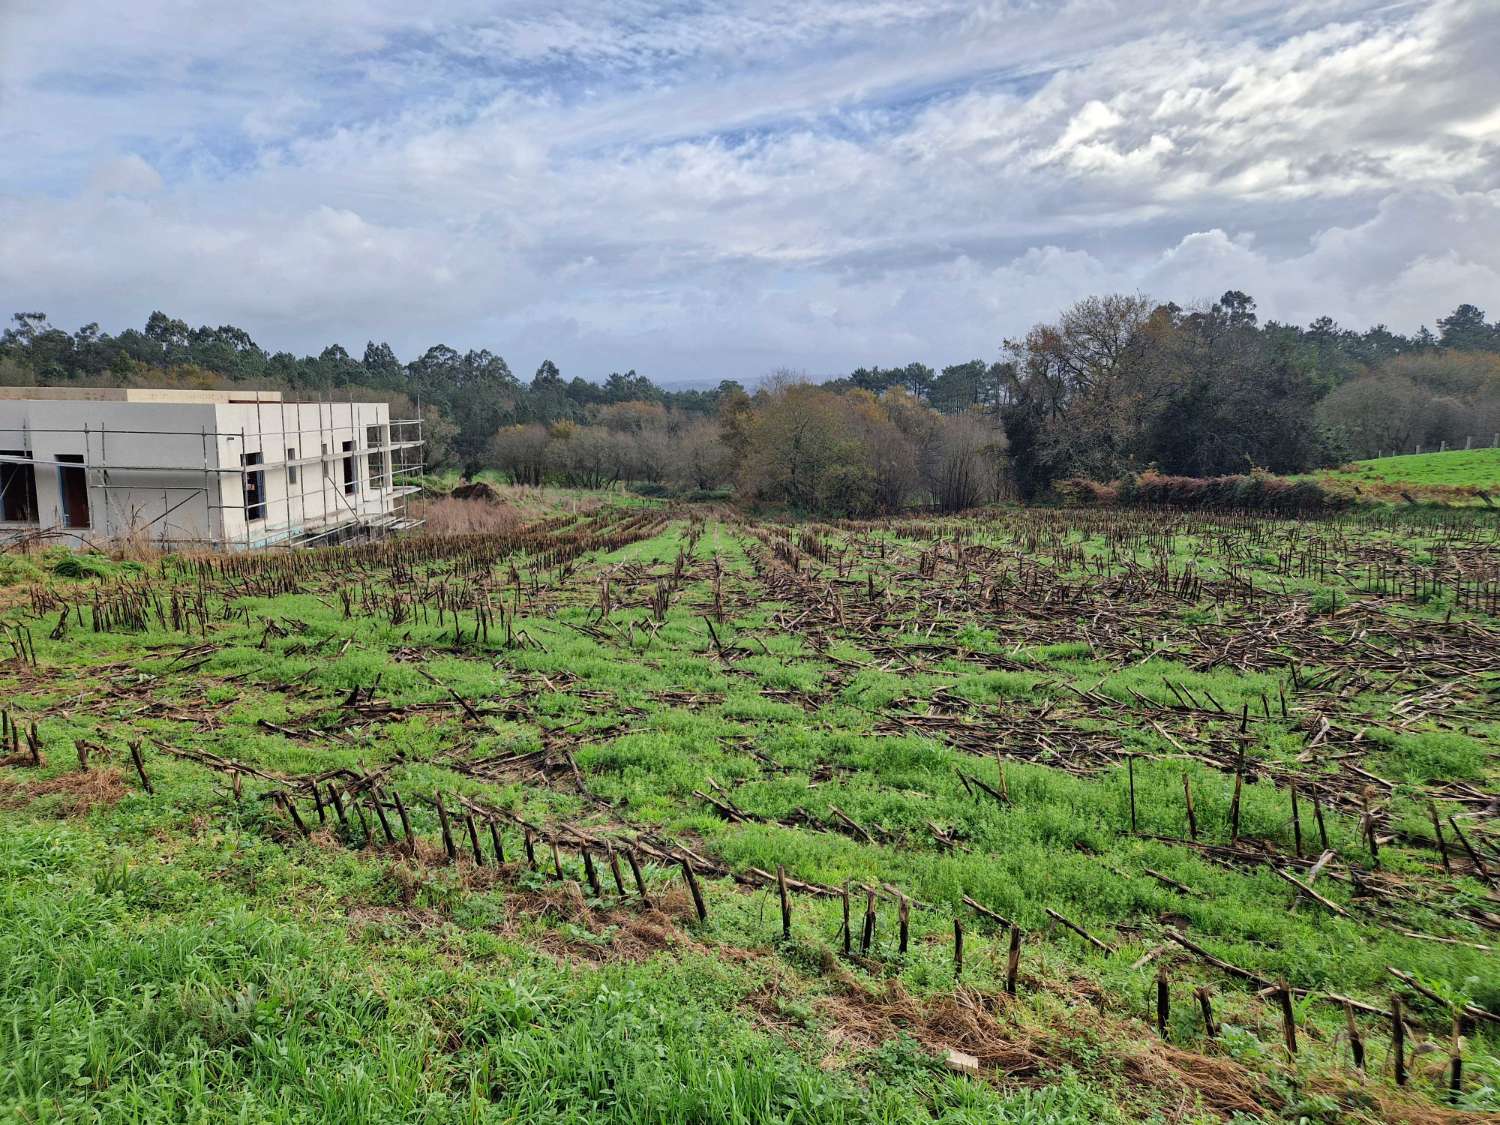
385, 825
1167, 880
867, 935
1013, 961
1310, 893
692, 882
958, 947
1205, 1005
497, 842
640, 880
1437, 829
1317, 868
291, 811
1187, 795
786, 903
411, 840
903, 915
1130, 767
999, 919
448, 846
614, 870
1163, 1001
474, 839
1106, 948
1484, 872
1218, 963
140, 766
1398, 1040
1288, 1018
1296, 824
364, 825
1371, 837
590, 873
1472, 1010
1356, 1041
1318, 817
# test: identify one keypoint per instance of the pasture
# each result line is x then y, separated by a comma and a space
662, 814
1454, 477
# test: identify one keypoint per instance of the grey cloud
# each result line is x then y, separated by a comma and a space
743, 186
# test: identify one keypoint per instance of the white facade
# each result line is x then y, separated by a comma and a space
214, 468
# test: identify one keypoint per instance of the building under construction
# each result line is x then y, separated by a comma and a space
215, 469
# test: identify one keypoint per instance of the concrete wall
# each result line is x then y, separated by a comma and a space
130, 438
306, 440
155, 467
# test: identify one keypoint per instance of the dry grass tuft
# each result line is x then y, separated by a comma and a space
622, 932
446, 517
1187, 1082
79, 791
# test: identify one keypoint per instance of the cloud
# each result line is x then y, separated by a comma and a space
724, 188
125, 175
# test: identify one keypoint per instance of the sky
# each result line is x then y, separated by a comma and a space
706, 190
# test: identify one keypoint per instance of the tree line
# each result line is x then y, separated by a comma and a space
1119, 384
1116, 385
465, 396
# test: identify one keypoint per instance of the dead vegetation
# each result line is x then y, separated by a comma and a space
477, 514
69, 794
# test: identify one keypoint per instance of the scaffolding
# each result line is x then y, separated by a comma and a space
368, 477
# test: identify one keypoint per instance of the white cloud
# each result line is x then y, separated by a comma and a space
732, 187
126, 175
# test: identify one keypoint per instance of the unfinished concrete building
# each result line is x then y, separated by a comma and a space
215, 469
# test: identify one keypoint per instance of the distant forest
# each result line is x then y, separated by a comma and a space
1116, 385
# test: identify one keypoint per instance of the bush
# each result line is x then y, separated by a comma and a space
1260, 492
1078, 492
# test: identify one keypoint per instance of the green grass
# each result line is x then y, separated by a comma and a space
187, 956
1457, 467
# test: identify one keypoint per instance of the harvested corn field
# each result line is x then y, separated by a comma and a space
659, 814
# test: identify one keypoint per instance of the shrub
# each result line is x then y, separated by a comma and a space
1261, 492
1078, 492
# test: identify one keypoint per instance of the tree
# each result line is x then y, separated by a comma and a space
1081, 391
966, 471
382, 368
438, 432
700, 459
802, 451
917, 379
521, 453
960, 387
168, 333
1465, 330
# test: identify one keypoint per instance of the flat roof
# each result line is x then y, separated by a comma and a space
135, 394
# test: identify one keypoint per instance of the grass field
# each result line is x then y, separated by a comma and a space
1177, 764
1451, 477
